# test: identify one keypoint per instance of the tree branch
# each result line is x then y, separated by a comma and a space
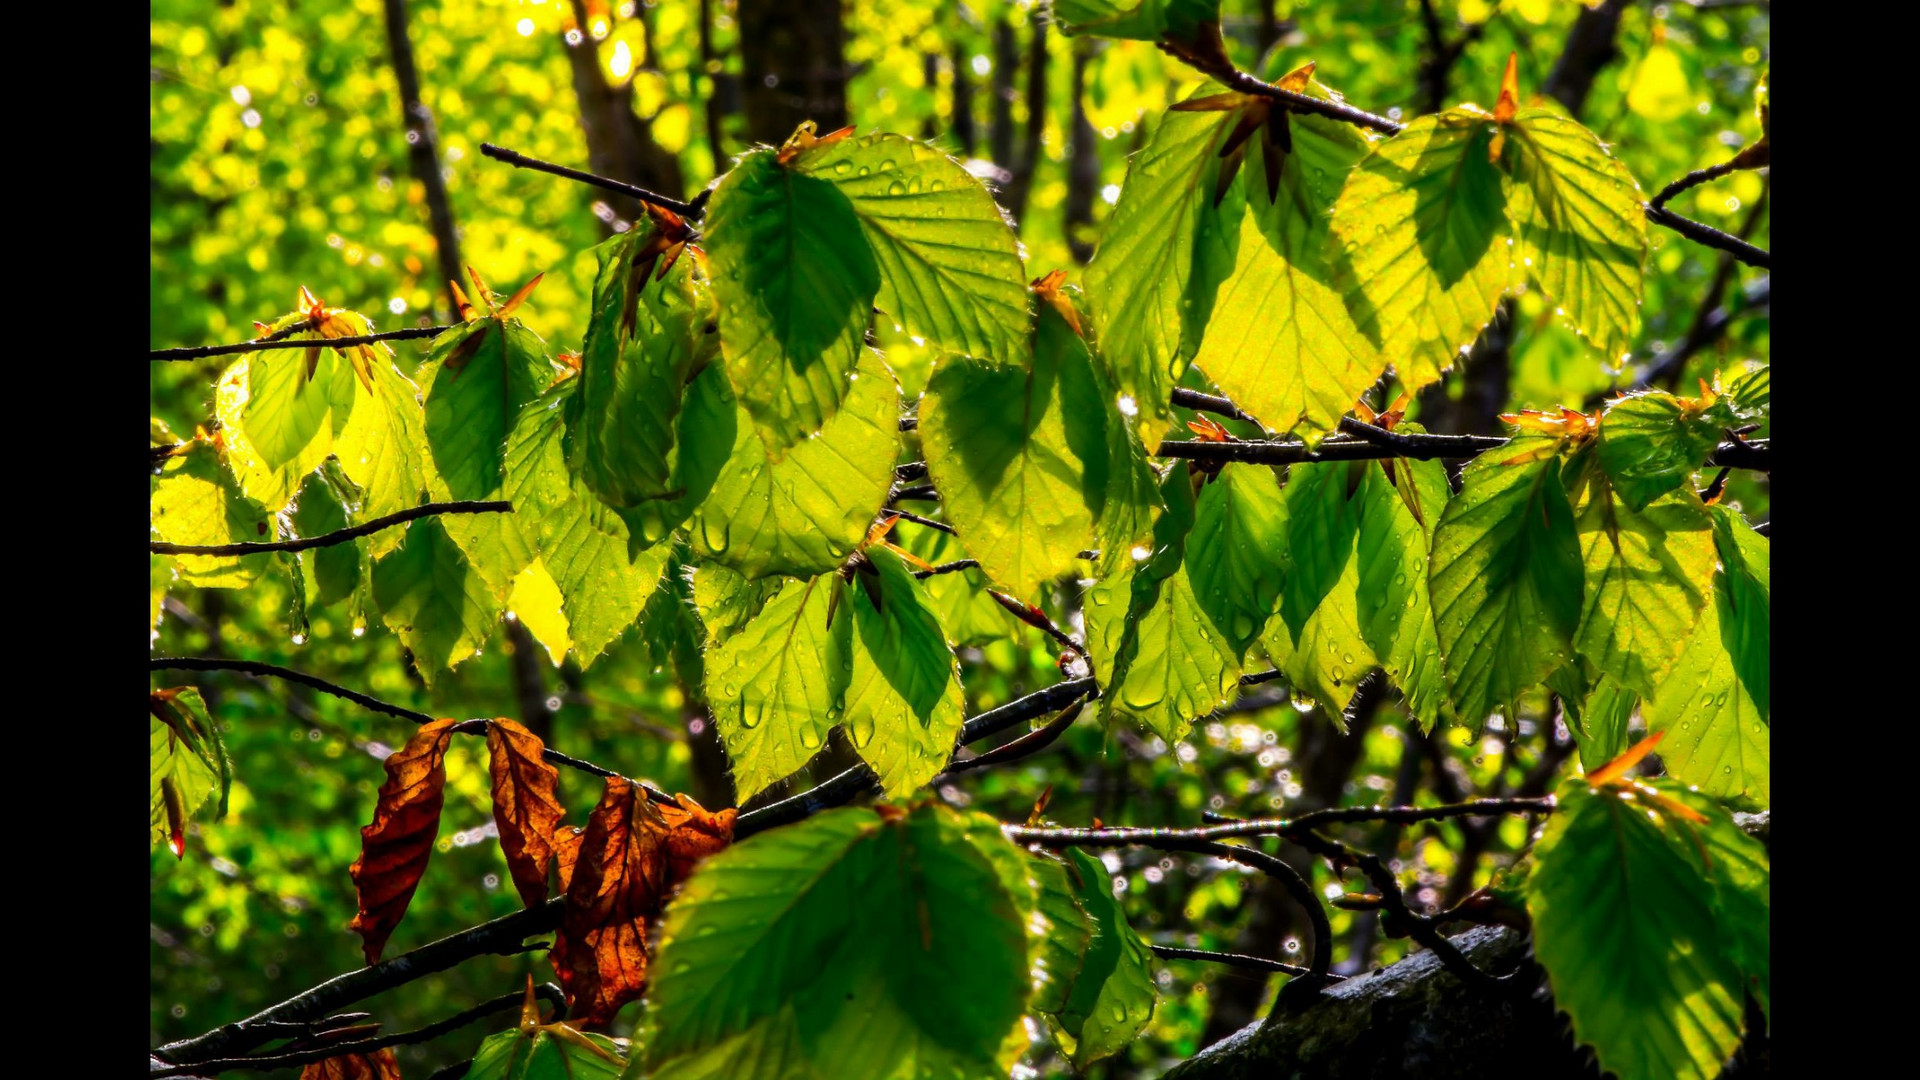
547, 992
689, 210
502, 936
339, 536
1378, 444
195, 352
312, 682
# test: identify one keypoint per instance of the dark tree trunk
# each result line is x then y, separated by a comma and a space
723, 94
963, 130
1006, 58
619, 143
1028, 158
1083, 164
423, 148
793, 66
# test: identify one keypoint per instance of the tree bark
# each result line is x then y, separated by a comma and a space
619, 143
793, 63
423, 149
1083, 164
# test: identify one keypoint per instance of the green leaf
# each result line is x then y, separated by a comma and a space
904, 708
727, 601
1651, 444
583, 542
1020, 475
336, 568
1506, 577
1139, 280
958, 599
1746, 557
1581, 219
1647, 575
1320, 528
1112, 999
776, 687
1280, 342
1626, 899
795, 281
1160, 657
804, 513
1422, 225
707, 428
285, 410
383, 448
949, 266
196, 501
854, 944
634, 366
1600, 710
1067, 937
498, 368
186, 750
272, 486
1141, 20
1716, 733
1752, 393
1327, 659
1394, 608
430, 595
540, 1055
1239, 526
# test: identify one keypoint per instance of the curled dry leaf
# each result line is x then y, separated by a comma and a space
395, 847
379, 1065
526, 805
628, 862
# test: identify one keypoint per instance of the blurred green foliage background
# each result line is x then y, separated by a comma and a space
278, 158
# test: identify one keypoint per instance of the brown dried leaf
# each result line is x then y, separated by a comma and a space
630, 858
526, 805
379, 1065
395, 847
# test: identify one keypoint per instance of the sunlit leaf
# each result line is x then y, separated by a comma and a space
187, 764
196, 501
431, 596
795, 281
526, 805
1113, 997
394, 849
903, 707
855, 944
949, 265
1239, 528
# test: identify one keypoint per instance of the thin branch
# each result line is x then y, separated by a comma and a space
1213, 403
690, 211
313, 682
918, 520
860, 779
196, 352
1025, 746
1711, 237
1389, 444
502, 936
920, 492
1288, 827
1302, 103
339, 536
1239, 960
955, 566
547, 992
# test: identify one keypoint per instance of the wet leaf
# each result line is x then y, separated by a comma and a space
394, 849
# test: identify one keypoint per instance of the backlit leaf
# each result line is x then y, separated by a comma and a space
526, 805
394, 849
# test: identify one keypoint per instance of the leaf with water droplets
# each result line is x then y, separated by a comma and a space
383, 447
794, 279
1113, 997
1647, 577
431, 596
1239, 528
804, 513
856, 944
1648, 926
1019, 456
1423, 237
1506, 577
1147, 292
1580, 223
904, 707
949, 266
196, 501
776, 687
1280, 342
583, 543
1393, 605
1650, 444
